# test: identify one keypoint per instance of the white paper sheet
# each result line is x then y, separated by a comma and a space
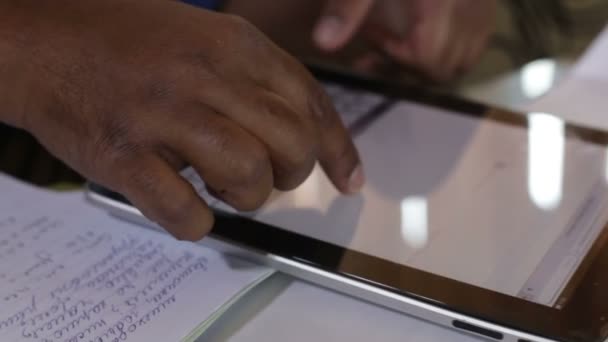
594, 64
69, 272
582, 96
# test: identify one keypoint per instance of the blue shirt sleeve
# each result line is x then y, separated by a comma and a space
209, 4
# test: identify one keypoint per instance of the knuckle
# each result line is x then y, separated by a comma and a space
193, 73
245, 33
116, 139
162, 88
253, 167
170, 205
301, 153
173, 209
269, 103
240, 27
301, 145
296, 147
201, 67
140, 181
320, 106
238, 21
222, 137
250, 182
293, 172
297, 133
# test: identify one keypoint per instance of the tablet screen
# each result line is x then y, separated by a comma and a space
510, 208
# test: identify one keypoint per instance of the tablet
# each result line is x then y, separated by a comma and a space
488, 222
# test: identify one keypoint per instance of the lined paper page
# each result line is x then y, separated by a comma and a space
69, 272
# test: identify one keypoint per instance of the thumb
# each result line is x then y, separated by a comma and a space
339, 22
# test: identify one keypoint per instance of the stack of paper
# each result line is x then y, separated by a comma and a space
69, 272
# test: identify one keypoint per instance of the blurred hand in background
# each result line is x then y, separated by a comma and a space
440, 38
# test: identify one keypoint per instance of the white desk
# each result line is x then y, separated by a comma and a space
284, 309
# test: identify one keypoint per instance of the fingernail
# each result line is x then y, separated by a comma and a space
328, 31
356, 180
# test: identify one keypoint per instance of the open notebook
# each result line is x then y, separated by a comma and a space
69, 272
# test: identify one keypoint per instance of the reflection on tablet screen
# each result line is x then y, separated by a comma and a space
514, 209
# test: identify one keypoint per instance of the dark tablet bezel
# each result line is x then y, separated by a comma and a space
584, 317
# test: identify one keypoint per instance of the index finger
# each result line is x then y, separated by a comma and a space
336, 151
338, 155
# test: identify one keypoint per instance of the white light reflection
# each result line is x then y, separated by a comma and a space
537, 77
308, 195
414, 221
545, 160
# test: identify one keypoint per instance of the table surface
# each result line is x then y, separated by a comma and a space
285, 309
315, 313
